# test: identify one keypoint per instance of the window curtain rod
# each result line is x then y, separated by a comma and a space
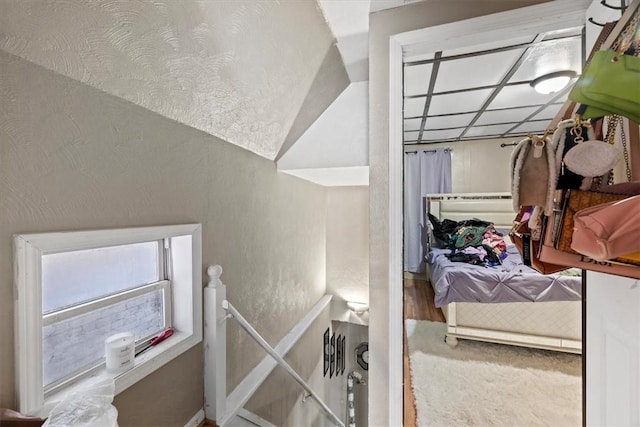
510, 144
426, 150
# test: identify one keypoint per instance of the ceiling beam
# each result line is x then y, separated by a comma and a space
471, 89
486, 111
483, 125
490, 51
432, 84
514, 68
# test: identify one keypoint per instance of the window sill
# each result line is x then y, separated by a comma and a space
145, 364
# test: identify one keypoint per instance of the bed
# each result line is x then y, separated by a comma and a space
509, 303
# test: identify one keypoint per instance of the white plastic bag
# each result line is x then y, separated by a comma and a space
90, 407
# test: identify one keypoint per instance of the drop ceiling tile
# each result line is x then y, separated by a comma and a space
518, 96
487, 130
457, 120
412, 124
551, 56
567, 32
439, 135
487, 70
411, 136
532, 126
548, 113
489, 46
458, 102
505, 116
416, 79
414, 107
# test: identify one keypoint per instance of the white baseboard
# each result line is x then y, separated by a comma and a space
196, 419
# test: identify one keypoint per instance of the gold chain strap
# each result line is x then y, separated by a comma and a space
612, 124
614, 121
610, 137
629, 37
625, 151
576, 130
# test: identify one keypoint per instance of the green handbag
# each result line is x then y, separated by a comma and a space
610, 84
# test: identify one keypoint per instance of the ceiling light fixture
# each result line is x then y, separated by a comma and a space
552, 82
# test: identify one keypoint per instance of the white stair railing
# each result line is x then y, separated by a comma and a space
218, 406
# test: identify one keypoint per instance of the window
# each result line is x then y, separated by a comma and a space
75, 289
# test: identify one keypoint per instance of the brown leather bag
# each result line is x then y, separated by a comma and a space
521, 236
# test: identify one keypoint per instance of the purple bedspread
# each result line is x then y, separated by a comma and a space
510, 282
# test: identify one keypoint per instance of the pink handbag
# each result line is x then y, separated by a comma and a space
547, 253
609, 230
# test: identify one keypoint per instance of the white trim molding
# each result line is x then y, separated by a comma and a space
186, 290
396, 229
196, 420
484, 29
218, 405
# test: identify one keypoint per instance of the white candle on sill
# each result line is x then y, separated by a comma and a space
119, 352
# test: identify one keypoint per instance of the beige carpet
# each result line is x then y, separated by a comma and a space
482, 384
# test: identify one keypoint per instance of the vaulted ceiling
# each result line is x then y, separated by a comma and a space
253, 73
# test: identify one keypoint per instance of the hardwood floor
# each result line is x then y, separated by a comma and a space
418, 304
418, 300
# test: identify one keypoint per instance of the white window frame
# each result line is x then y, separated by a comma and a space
186, 309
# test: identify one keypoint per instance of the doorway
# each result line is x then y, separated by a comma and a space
386, 329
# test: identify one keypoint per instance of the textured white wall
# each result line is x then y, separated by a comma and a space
382, 25
73, 157
236, 69
348, 243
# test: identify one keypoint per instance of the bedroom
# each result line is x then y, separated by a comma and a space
469, 160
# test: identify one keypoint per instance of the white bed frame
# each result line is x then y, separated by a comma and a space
553, 325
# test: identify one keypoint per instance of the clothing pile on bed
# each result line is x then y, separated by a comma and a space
471, 241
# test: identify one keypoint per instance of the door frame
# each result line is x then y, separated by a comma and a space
485, 29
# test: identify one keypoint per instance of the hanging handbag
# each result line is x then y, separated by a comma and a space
574, 201
527, 243
593, 157
609, 231
547, 253
532, 172
567, 136
610, 83
585, 110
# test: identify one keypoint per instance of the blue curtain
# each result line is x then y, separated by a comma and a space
425, 172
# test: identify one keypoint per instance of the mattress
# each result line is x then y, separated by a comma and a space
510, 282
